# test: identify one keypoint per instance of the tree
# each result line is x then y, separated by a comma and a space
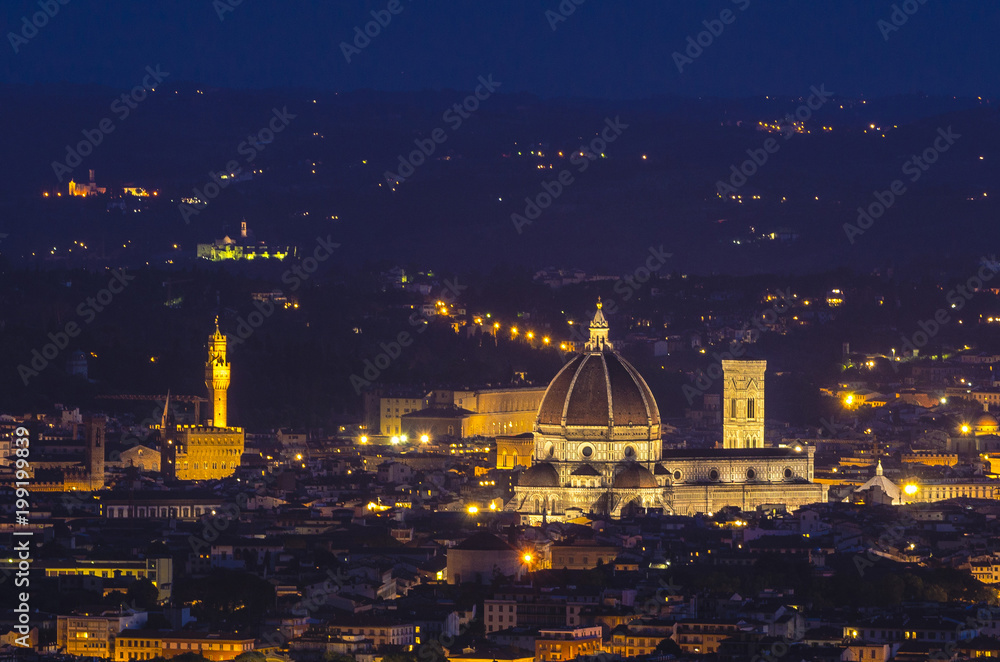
667, 646
189, 657
142, 594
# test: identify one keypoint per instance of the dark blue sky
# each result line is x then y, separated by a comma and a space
606, 49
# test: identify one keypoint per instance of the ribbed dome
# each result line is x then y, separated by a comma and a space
598, 389
634, 477
539, 475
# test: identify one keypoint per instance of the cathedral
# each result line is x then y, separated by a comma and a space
598, 447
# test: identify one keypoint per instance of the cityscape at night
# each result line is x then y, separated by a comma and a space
535, 331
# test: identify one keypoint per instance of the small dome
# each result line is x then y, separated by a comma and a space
539, 475
634, 477
986, 421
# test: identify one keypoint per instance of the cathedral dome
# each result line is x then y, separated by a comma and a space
599, 388
634, 477
539, 475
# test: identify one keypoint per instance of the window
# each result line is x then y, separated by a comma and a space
750, 408
732, 406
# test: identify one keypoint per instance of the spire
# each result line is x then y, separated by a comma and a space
598, 331
878, 469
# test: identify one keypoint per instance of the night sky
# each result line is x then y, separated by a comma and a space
603, 50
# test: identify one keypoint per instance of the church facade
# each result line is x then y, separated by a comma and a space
598, 447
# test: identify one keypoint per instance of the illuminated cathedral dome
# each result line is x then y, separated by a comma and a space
599, 389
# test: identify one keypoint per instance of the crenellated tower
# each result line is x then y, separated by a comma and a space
217, 376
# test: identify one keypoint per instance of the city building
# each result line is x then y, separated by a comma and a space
515, 451
453, 413
243, 248
84, 190
480, 557
159, 571
581, 555
93, 635
559, 644
150, 644
211, 451
743, 395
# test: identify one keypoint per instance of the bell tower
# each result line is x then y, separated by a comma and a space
743, 404
217, 376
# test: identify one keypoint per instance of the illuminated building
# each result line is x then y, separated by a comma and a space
206, 452
567, 643
150, 644
84, 190
880, 489
641, 636
92, 635
598, 447
449, 413
159, 571
217, 376
243, 248
138, 191
743, 404
515, 450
